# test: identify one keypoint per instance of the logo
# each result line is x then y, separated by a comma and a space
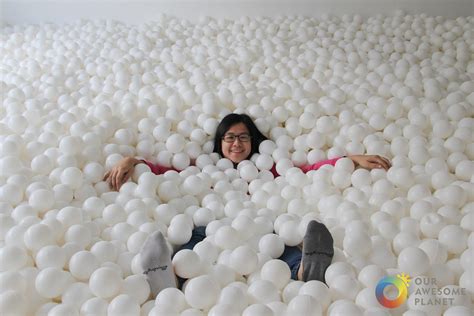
401, 284
428, 293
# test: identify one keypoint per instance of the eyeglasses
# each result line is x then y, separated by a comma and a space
230, 138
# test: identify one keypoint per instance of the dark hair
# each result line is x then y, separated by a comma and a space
230, 120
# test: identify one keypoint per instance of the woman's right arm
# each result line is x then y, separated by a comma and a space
121, 172
157, 168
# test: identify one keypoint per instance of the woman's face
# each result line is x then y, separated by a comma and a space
237, 150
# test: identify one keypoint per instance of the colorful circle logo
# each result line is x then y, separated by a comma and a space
400, 282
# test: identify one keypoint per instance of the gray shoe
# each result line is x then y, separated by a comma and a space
318, 250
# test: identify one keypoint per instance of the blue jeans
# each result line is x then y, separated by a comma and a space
198, 235
291, 255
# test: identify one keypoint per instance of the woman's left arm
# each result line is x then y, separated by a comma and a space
371, 161
319, 164
365, 161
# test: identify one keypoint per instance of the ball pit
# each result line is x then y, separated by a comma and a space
79, 97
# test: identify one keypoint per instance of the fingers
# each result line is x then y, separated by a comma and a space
118, 175
380, 162
373, 165
124, 179
384, 162
109, 176
114, 179
389, 164
118, 180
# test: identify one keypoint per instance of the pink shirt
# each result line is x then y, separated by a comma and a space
158, 169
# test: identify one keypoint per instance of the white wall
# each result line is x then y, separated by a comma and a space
62, 11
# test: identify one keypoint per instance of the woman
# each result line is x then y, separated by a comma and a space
237, 139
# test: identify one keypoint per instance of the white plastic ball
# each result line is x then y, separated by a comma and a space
277, 272
207, 251
344, 287
291, 290
105, 282
352, 244
82, 264
431, 224
318, 290
41, 200
272, 245
452, 195
12, 303
193, 185
123, 304
243, 260
370, 275
235, 296
72, 177
12, 258
94, 306
202, 292
454, 238
465, 170
52, 282
248, 172
187, 264
220, 309
257, 310
338, 268
227, 237
38, 236
172, 298
413, 260
41, 164
304, 305
180, 230
63, 310
263, 291
76, 294
93, 172
11, 193
50, 256
290, 234
78, 234
180, 161
70, 145
344, 307
14, 281
436, 252
175, 143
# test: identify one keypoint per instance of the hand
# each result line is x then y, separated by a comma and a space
120, 173
371, 161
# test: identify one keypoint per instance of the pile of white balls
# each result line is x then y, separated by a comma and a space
79, 97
